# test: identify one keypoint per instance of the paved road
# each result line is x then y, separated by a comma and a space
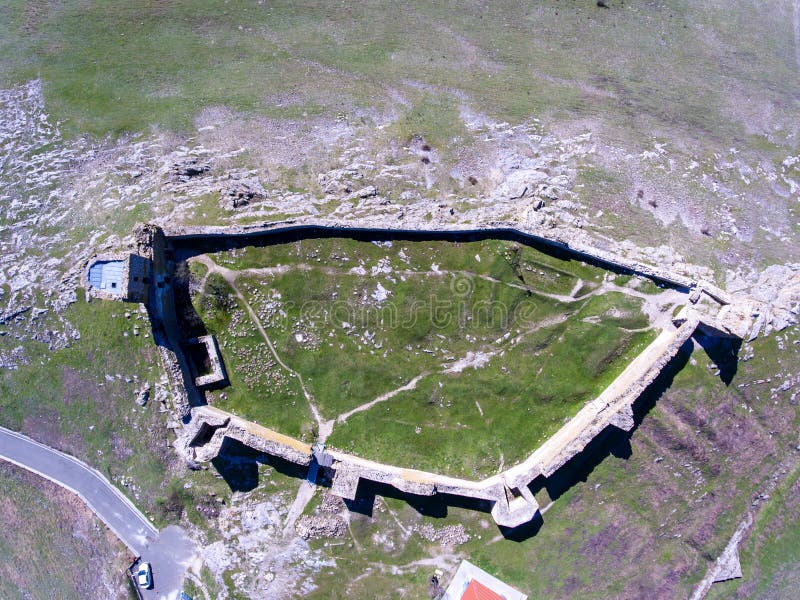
116, 511
169, 551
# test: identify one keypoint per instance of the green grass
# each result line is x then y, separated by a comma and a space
367, 540
258, 390
628, 510
77, 399
444, 301
525, 397
433, 117
109, 67
415, 332
771, 552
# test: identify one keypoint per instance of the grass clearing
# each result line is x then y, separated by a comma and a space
491, 333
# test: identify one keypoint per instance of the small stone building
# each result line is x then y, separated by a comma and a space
118, 277
206, 364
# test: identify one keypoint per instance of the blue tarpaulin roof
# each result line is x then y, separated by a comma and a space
106, 276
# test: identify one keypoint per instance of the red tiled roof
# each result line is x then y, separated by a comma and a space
477, 591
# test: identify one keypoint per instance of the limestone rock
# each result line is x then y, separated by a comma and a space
185, 169
339, 181
143, 395
367, 192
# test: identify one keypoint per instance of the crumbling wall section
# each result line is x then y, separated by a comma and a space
194, 446
217, 375
151, 243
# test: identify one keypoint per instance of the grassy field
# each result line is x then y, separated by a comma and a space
502, 343
81, 399
502, 411
109, 67
53, 546
771, 552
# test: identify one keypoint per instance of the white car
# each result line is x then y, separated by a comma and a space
144, 576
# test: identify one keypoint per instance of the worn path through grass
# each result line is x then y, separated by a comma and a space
324, 427
422, 384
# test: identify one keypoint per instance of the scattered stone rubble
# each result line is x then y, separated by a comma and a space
449, 535
314, 527
242, 192
532, 192
535, 193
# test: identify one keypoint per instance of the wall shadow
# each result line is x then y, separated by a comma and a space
612, 441
431, 506
525, 531
193, 245
239, 464
161, 339
190, 323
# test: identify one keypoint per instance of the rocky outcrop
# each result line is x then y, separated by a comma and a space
242, 192
187, 168
777, 294
340, 182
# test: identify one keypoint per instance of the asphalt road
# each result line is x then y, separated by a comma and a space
169, 551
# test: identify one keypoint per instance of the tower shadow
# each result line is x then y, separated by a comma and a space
723, 352
239, 465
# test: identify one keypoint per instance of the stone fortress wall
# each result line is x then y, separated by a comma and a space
513, 501
205, 428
